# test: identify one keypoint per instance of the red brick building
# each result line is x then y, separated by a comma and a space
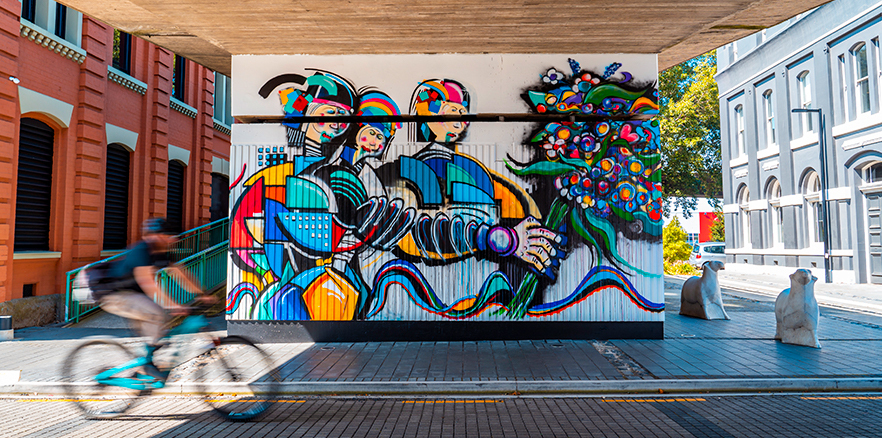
98, 131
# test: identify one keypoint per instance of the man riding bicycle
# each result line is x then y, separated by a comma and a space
133, 290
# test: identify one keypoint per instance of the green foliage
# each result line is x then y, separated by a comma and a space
679, 268
718, 228
674, 242
690, 132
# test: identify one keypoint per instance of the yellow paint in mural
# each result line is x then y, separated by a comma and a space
272, 176
510, 206
464, 304
254, 225
331, 297
248, 277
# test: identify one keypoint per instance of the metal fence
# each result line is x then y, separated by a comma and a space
208, 268
189, 244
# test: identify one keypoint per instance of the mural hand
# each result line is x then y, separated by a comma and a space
536, 245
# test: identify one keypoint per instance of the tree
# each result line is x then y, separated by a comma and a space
718, 228
674, 242
690, 132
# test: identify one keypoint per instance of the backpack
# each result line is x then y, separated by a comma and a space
92, 283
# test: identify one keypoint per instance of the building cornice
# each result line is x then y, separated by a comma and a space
46, 39
125, 80
183, 108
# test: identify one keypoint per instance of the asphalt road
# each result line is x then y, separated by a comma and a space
797, 415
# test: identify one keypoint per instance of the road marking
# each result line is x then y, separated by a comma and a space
452, 401
9, 377
842, 398
653, 400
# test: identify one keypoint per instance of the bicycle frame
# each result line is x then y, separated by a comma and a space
191, 324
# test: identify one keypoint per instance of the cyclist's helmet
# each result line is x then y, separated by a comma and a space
156, 225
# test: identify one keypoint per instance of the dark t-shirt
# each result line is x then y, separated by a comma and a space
120, 275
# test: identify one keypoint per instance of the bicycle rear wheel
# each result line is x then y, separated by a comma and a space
238, 379
96, 400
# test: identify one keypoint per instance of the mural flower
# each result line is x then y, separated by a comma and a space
600, 173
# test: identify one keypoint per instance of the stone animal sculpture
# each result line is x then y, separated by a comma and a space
796, 311
701, 297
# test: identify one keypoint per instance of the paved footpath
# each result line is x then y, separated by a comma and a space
696, 355
802, 415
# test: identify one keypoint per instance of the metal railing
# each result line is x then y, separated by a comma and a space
207, 268
189, 243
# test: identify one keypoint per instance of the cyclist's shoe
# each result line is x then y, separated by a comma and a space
152, 371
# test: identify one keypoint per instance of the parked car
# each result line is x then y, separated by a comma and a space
706, 252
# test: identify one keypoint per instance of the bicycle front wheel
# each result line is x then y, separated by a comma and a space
238, 379
97, 400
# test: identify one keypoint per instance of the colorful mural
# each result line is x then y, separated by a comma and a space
335, 225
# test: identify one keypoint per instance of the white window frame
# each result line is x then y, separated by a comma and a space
861, 83
843, 88
769, 112
222, 99
744, 211
44, 17
811, 189
776, 216
740, 146
804, 87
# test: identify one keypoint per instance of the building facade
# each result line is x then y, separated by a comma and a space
827, 59
99, 130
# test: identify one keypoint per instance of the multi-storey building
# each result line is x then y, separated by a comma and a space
98, 131
827, 59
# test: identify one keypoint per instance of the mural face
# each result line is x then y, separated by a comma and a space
335, 224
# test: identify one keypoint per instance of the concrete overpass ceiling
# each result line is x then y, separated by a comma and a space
209, 31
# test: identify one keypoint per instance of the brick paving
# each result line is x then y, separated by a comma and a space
681, 416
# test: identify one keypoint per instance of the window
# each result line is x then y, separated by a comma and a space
34, 186
776, 215
116, 198
804, 86
220, 196
769, 107
873, 174
175, 200
811, 189
179, 77
739, 130
861, 79
58, 19
222, 99
122, 51
843, 89
743, 201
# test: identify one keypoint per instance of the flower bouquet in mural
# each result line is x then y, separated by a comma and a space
601, 173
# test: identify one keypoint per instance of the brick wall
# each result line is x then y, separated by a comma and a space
81, 148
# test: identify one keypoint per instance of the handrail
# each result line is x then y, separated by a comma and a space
208, 268
190, 243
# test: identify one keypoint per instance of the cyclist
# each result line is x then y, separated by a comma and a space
133, 289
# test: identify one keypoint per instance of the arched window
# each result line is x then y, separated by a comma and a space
776, 216
116, 198
175, 201
873, 173
33, 192
769, 107
804, 86
739, 130
743, 202
811, 189
861, 78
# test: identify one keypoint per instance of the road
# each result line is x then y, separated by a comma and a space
796, 415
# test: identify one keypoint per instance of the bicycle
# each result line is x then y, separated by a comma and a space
102, 392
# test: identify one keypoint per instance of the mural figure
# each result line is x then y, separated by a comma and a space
331, 227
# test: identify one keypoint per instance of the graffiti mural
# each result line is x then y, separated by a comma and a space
347, 221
